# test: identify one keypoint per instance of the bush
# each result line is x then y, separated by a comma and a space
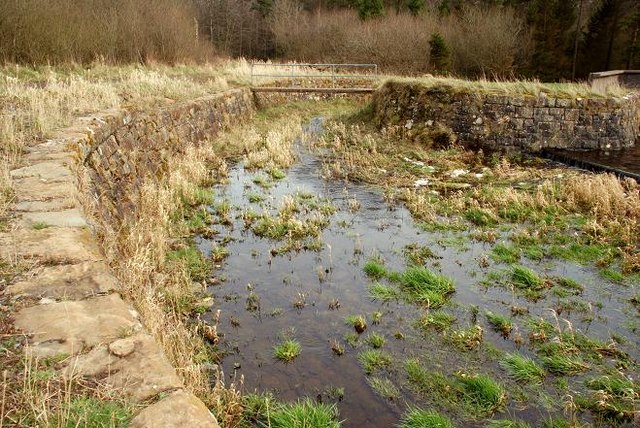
62, 31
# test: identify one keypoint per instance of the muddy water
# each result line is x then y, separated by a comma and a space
299, 295
626, 160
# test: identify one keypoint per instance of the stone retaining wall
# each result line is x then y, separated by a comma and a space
511, 122
78, 310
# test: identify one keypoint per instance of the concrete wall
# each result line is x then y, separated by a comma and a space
511, 122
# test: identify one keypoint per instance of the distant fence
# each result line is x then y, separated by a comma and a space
302, 77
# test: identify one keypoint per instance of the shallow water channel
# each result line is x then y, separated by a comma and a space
264, 296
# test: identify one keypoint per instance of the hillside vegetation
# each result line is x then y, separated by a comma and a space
546, 39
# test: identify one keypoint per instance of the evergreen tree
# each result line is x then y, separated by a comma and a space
415, 6
439, 53
370, 8
553, 30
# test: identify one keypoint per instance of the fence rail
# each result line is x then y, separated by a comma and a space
295, 77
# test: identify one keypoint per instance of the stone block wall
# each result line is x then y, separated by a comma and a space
125, 149
499, 122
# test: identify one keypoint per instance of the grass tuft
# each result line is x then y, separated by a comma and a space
374, 359
522, 369
417, 418
374, 269
500, 323
304, 413
425, 287
437, 320
482, 393
287, 351
383, 387
382, 292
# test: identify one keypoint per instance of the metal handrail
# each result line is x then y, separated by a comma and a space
291, 74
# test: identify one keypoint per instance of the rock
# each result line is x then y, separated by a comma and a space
67, 282
180, 409
140, 374
122, 347
74, 326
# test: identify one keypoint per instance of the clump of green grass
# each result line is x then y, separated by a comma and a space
40, 225
425, 287
304, 413
504, 254
375, 340
276, 173
383, 387
359, 322
417, 418
480, 217
522, 369
564, 364
437, 320
482, 393
430, 384
612, 275
255, 198
375, 269
500, 322
287, 351
374, 359
570, 284
524, 278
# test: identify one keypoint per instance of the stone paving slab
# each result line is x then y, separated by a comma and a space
180, 409
59, 204
67, 282
48, 171
51, 245
31, 189
136, 365
66, 218
70, 327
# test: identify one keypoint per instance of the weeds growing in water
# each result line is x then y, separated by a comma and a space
374, 359
522, 369
304, 413
375, 340
383, 387
359, 322
500, 323
614, 397
287, 350
382, 292
336, 347
564, 364
417, 255
504, 254
417, 418
374, 269
524, 278
508, 423
423, 286
467, 339
439, 321
482, 393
